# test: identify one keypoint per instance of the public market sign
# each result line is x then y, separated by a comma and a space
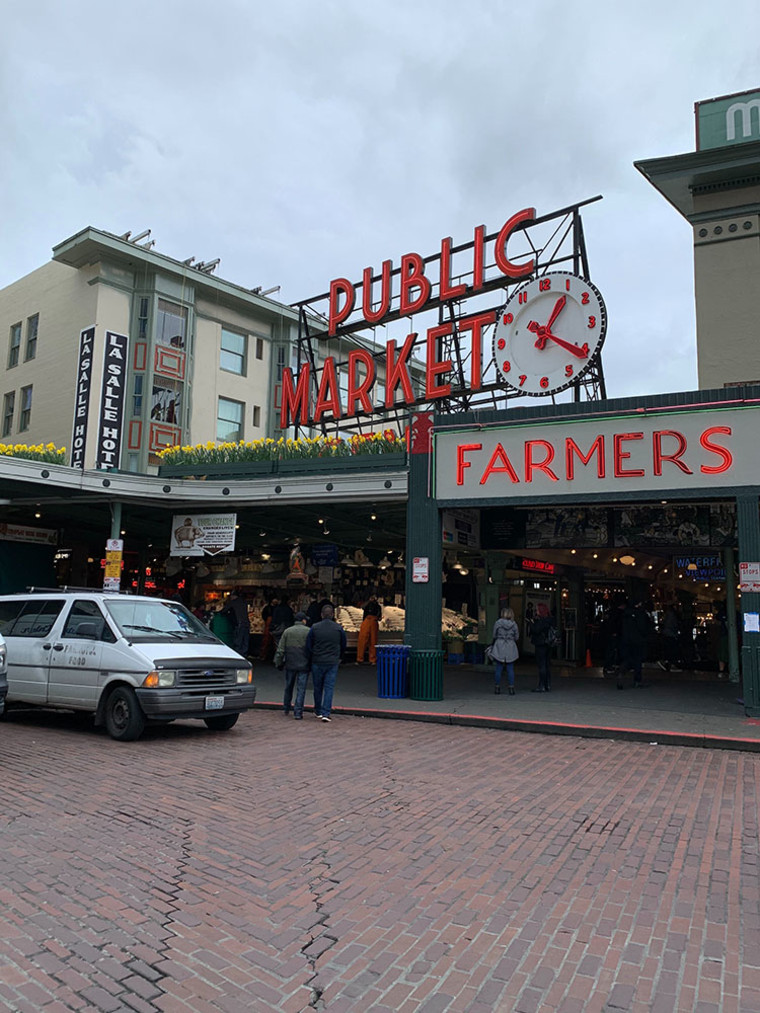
634, 453
416, 293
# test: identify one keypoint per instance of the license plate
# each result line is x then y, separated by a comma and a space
214, 703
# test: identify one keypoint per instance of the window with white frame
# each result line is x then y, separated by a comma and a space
25, 418
14, 345
229, 420
32, 328
9, 407
171, 324
232, 358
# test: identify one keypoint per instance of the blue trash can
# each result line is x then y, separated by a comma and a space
392, 671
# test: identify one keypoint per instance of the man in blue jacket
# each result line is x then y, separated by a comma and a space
326, 644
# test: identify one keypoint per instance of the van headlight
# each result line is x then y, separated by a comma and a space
160, 679
244, 675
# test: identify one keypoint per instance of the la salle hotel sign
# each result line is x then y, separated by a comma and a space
416, 292
637, 453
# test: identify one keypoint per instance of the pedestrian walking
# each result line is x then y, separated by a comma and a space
236, 610
326, 644
367, 642
633, 647
543, 634
293, 655
671, 633
504, 651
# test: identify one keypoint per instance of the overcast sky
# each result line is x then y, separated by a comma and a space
300, 141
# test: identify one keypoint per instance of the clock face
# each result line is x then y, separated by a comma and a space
549, 333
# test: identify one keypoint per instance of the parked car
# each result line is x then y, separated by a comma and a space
3, 674
126, 659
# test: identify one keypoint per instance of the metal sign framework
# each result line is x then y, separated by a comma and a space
555, 241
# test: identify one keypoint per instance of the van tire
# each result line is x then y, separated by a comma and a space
124, 718
223, 723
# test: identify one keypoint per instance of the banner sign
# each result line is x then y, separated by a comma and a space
324, 555
112, 398
22, 533
461, 527
202, 534
82, 401
700, 568
728, 120
678, 450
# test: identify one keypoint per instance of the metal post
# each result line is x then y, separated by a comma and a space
423, 540
115, 520
749, 552
733, 636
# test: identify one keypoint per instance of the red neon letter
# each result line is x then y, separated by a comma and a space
531, 465
476, 325
370, 315
413, 276
295, 400
328, 398
396, 372
478, 258
500, 250
359, 391
659, 457
499, 464
723, 453
462, 449
622, 455
341, 286
445, 289
597, 447
433, 367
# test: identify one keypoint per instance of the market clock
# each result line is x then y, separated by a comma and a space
549, 334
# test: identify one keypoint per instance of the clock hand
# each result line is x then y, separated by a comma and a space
558, 307
580, 350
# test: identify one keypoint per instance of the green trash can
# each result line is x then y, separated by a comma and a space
426, 675
221, 626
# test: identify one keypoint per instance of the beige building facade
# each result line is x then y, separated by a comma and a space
717, 189
203, 362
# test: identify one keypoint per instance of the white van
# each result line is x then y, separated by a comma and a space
126, 659
3, 674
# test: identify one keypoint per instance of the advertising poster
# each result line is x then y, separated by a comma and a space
82, 399
461, 528
111, 411
202, 534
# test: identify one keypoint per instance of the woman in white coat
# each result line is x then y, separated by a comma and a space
504, 649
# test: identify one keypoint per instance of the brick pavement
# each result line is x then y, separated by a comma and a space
374, 865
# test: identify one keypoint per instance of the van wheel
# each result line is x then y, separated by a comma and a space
223, 723
124, 719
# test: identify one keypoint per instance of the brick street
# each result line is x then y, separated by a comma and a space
373, 865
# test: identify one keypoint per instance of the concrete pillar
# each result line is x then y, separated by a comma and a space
748, 519
423, 540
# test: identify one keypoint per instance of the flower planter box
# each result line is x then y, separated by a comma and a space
236, 469
290, 466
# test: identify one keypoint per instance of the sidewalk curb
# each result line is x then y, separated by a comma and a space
659, 738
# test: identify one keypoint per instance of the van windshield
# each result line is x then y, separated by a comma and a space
158, 620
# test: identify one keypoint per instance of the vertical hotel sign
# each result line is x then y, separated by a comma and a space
82, 402
112, 397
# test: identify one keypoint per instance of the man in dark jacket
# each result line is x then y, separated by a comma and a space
292, 651
326, 644
282, 618
633, 642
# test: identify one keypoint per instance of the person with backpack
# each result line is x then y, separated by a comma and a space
633, 647
504, 651
543, 635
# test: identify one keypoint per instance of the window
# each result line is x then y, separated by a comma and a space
85, 622
14, 345
137, 395
233, 353
30, 617
25, 417
229, 420
9, 406
32, 326
281, 353
171, 324
259, 348
166, 402
256, 416
142, 320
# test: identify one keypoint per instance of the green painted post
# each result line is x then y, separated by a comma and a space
733, 637
423, 541
748, 519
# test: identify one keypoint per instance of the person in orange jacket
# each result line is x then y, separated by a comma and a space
368, 631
